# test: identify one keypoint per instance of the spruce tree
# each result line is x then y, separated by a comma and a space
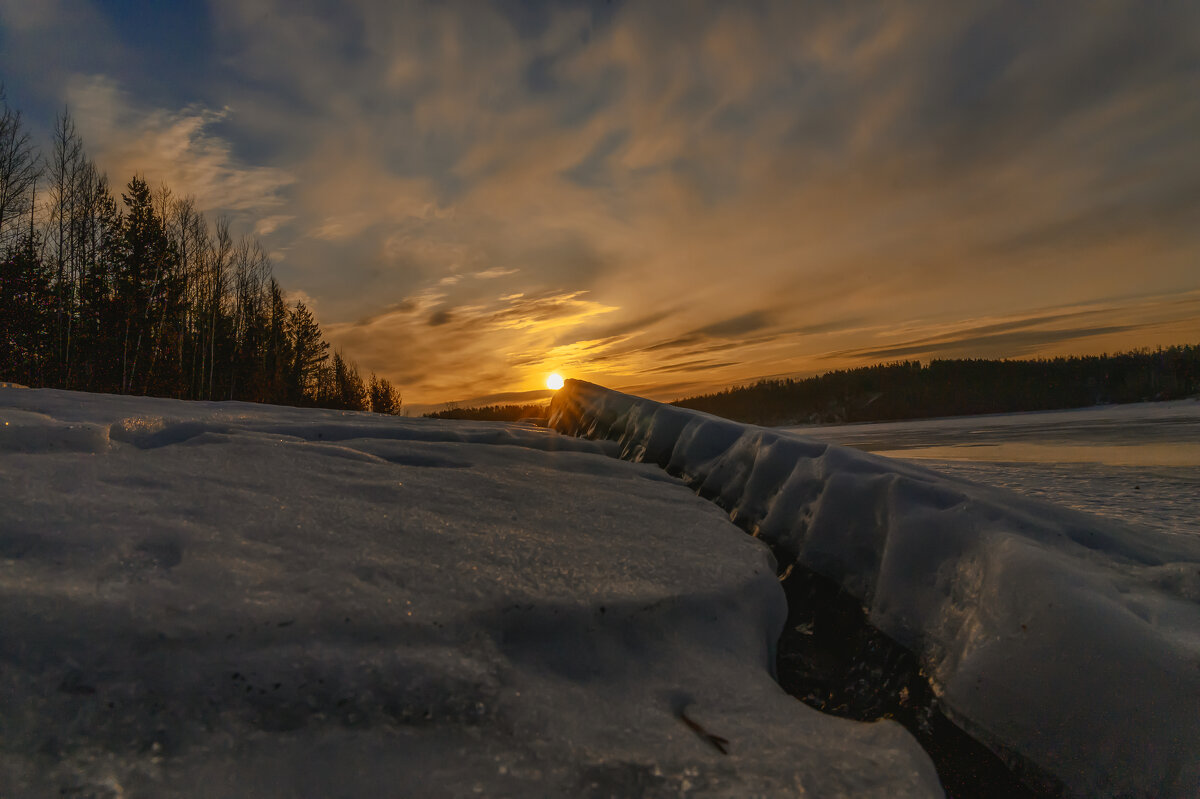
383, 396
308, 354
350, 394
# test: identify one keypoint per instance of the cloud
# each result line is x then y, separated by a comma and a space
692, 365
492, 274
507, 397
442, 352
172, 147
298, 295
736, 326
439, 317
1035, 333
1010, 344
479, 193
24, 17
269, 224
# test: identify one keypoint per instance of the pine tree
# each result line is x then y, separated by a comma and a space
383, 396
350, 394
26, 315
277, 353
147, 284
308, 354
147, 300
100, 322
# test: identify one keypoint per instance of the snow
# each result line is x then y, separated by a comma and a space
1066, 641
1139, 463
223, 599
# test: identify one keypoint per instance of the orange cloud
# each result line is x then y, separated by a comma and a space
671, 196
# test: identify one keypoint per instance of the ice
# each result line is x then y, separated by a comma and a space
221, 599
1068, 643
1138, 462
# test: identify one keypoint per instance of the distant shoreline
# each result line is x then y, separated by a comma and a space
996, 415
941, 389
910, 390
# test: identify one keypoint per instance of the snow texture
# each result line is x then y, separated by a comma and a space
1067, 640
222, 599
1138, 462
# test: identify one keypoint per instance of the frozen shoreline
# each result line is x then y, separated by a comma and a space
1065, 639
1136, 463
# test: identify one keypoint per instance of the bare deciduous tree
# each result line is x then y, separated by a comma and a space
20, 169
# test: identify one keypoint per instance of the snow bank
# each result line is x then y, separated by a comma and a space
1065, 639
235, 600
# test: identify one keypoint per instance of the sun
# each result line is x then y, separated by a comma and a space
554, 382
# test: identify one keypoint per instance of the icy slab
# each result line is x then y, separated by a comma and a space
1067, 640
1139, 462
237, 600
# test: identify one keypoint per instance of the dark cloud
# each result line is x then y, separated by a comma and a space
621, 328
673, 344
439, 317
506, 397
593, 169
402, 307
982, 332
1172, 202
697, 364
1017, 342
736, 326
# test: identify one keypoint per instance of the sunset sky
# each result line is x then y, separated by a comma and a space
663, 197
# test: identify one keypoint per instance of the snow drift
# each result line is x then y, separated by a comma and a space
1067, 643
222, 599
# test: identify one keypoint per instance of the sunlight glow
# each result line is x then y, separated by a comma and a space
554, 382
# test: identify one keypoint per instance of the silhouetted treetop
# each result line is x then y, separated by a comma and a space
909, 390
144, 296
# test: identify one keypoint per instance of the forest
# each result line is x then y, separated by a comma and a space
958, 387
145, 296
494, 413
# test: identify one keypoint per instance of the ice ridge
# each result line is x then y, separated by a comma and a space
1062, 640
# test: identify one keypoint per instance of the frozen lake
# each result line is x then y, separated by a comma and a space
1138, 463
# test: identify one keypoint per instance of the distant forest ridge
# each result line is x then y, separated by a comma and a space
494, 413
959, 387
146, 297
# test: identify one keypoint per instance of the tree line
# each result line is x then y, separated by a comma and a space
494, 413
146, 296
957, 387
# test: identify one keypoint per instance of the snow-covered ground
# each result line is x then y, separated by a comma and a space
228, 600
1067, 640
1139, 463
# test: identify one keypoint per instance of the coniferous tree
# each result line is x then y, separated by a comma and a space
99, 311
65, 170
148, 284
349, 393
26, 315
308, 354
383, 396
909, 389
143, 298
277, 351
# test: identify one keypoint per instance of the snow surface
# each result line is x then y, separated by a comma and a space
223, 599
1139, 463
1068, 640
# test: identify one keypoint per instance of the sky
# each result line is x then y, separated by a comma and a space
662, 197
